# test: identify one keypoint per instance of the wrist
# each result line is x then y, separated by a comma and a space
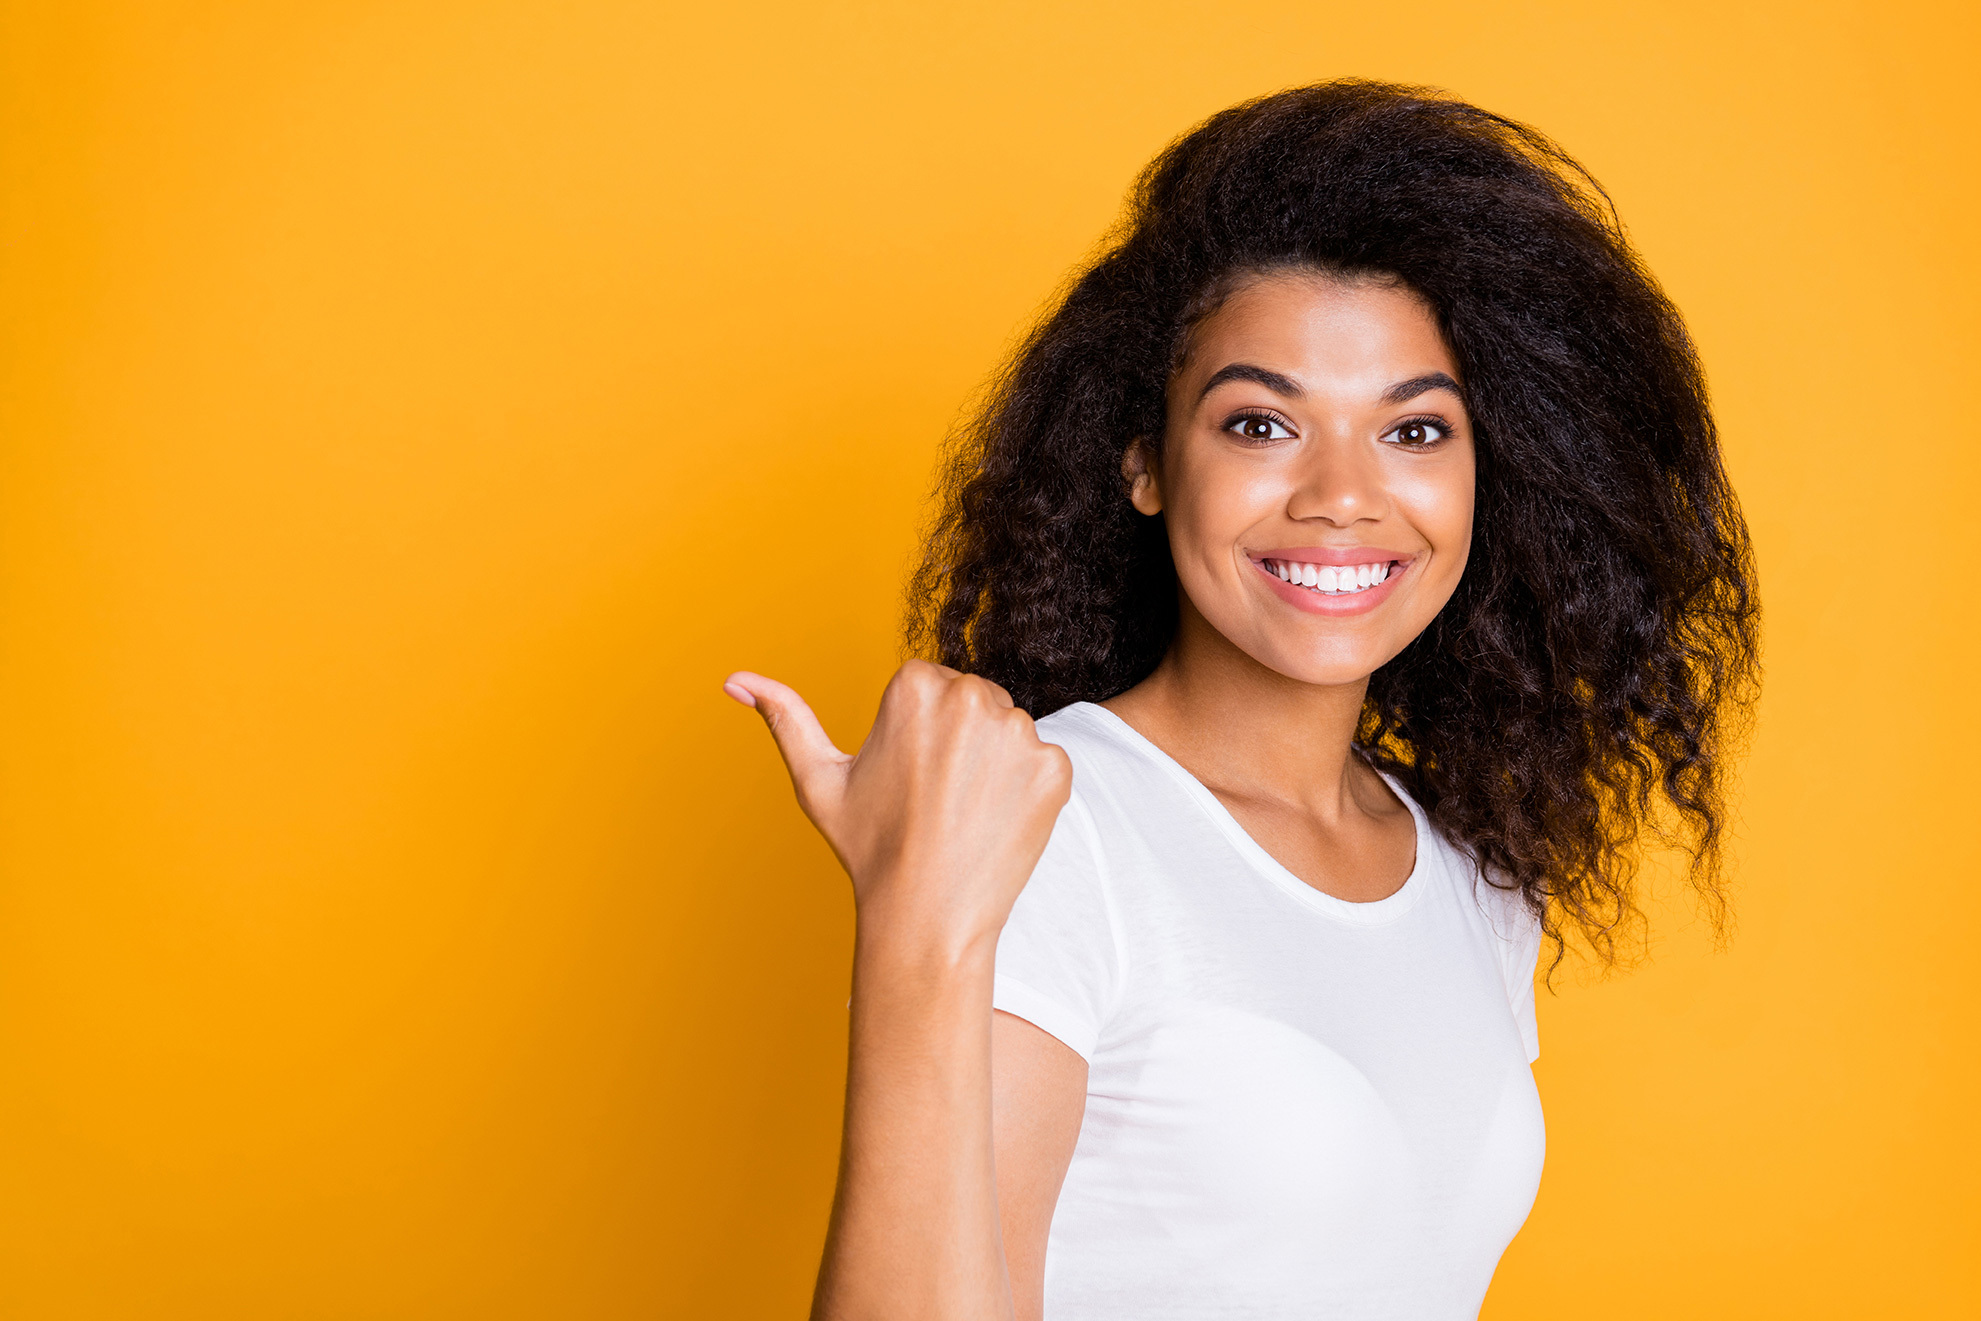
901, 942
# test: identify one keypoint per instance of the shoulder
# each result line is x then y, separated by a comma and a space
1502, 906
1497, 905
1083, 729
1517, 937
1060, 956
1506, 923
1110, 760
1511, 916
1503, 903
1511, 922
1115, 782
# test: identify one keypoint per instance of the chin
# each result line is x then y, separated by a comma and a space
1322, 671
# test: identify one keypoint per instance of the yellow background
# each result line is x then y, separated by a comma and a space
410, 412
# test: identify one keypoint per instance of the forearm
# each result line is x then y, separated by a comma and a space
939, 819
915, 1227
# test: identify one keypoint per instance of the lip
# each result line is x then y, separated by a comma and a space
1313, 602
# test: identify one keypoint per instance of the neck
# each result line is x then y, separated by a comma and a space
1246, 730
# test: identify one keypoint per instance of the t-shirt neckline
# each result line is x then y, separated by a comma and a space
1373, 912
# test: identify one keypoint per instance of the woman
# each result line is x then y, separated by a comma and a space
1356, 530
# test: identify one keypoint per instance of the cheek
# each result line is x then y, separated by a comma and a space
1438, 499
1213, 502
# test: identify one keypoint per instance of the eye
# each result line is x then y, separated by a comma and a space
1259, 426
1418, 432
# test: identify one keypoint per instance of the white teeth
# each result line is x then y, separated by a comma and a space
1334, 579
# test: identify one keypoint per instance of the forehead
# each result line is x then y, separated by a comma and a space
1332, 334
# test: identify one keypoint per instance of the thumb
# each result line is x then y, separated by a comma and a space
817, 767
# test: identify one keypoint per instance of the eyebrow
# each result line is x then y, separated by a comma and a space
1401, 392
1404, 391
1245, 371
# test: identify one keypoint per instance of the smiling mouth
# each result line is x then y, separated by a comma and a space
1332, 579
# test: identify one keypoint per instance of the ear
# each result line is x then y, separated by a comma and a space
1138, 471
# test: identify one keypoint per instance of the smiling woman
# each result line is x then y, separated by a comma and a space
1325, 405
1356, 531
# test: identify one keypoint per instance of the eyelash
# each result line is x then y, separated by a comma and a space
1443, 427
1425, 420
1258, 414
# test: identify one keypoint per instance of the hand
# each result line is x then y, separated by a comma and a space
941, 815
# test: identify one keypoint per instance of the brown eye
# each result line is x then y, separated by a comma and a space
1418, 433
1256, 427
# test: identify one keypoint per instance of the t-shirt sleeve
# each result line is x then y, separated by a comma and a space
1058, 959
1520, 956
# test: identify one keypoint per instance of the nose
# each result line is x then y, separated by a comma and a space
1339, 481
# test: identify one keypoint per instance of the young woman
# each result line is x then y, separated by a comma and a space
1355, 528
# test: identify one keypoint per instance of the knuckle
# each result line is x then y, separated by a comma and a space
1058, 768
916, 675
975, 694
914, 686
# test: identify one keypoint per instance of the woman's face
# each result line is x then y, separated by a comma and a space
1316, 475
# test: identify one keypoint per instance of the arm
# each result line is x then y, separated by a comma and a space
914, 1228
939, 820
1038, 1098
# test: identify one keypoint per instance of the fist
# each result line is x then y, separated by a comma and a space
941, 815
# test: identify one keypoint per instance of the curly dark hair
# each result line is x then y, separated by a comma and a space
1578, 691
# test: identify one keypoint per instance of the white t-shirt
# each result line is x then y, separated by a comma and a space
1297, 1106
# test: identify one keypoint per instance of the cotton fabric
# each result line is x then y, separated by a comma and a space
1297, 1106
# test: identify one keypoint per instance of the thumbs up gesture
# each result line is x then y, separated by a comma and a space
941, 815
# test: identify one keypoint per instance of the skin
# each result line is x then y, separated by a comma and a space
1258, 701
960, 1123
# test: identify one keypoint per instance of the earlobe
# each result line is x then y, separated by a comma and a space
1138, 472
